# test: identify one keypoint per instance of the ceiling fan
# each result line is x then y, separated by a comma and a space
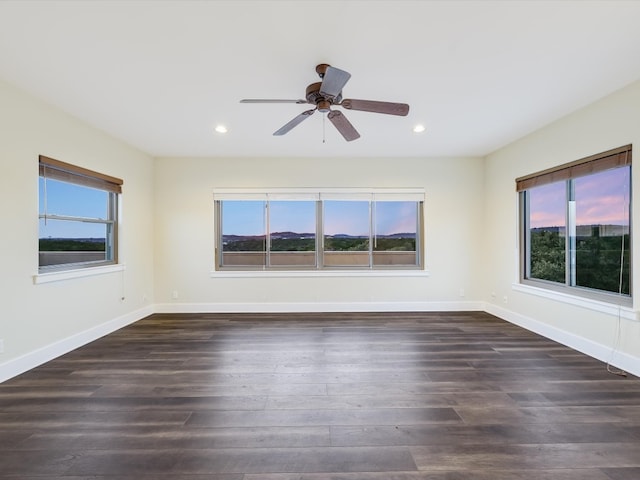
327, 94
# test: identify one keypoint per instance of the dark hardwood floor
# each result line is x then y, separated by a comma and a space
396, 396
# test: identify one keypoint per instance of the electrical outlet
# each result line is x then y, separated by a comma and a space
174, 294
462, 292
504, 299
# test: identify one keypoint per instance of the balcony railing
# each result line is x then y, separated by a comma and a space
47, 259
308, 259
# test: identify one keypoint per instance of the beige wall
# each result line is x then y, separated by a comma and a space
45, 316
611, 122
185, 234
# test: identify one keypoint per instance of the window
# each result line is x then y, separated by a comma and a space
575, 226
347, 233
244, 239
318, 230
395, 232
78, 212
292, 237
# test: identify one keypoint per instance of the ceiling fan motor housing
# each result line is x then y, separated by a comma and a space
314, 97
313, 93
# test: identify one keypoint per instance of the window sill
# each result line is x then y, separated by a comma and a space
609, 308
316, 273
78, 273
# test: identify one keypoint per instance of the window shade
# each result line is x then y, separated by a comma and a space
251, 194
596, 163
65, 172
398, 197
279, 196
346, 194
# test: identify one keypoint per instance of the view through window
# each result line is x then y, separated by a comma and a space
357, 232
576, 230
77, 217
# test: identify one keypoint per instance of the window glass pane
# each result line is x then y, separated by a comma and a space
547, 231
602, 230
67, 242
292, 226
72, 200
347, 226
396, 227
243, 232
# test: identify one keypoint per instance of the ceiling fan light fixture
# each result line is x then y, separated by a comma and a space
324, 106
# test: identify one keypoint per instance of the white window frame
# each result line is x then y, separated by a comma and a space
318, 195
52, 169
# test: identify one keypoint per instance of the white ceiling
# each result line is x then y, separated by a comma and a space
161, 74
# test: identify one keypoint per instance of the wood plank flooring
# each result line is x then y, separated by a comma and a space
375, 396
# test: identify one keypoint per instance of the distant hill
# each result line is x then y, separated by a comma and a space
80, 240
596, 230
305, 235
399, 235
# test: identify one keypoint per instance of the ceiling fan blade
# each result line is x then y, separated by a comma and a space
333, 81
295, 122
376, 107
270, 100
343, 125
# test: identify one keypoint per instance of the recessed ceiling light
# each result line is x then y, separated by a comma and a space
419, 128
221, 129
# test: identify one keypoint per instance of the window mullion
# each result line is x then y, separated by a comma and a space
571, 234
44, 192
112, 227
372, 238
267, 235
319, 235
219, 252
419, 236
526, 233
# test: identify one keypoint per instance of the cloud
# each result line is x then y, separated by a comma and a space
546, 219
611, 209
601, 198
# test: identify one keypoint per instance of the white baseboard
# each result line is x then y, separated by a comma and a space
620, 360
301, 307
31, 360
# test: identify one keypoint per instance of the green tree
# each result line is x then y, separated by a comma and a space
547, 256
598, 263
71, 245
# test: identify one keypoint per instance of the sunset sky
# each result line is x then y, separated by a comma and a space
340, 217
601, 198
